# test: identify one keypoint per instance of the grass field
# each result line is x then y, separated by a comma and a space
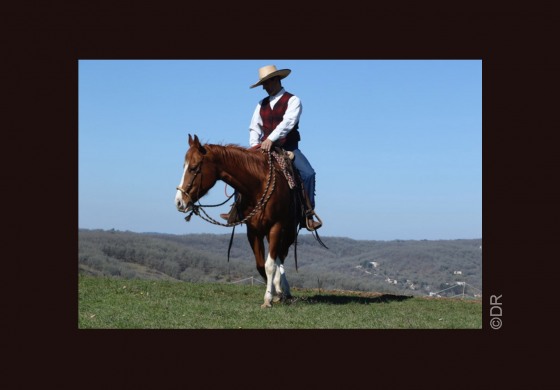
106, 303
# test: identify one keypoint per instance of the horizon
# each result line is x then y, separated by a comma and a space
299, 235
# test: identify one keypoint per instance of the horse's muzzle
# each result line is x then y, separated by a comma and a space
185, 208
180, 203
190, 206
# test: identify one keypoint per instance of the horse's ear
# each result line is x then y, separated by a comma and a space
194, 141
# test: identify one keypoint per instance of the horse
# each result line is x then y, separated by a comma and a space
266, 201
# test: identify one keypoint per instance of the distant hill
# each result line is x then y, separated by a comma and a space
436, 267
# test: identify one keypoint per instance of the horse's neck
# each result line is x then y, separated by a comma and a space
238, 175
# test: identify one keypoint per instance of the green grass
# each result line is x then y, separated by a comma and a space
106, 303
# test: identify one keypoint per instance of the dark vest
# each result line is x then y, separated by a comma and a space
272, 117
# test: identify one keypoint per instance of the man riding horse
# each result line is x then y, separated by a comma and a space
275, 123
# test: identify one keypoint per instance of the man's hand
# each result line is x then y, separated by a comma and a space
266, 145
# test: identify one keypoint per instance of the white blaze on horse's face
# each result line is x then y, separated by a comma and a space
179, 202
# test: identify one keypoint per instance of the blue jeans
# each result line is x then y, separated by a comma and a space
307, 174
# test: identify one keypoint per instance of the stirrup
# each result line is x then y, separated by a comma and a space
309, 217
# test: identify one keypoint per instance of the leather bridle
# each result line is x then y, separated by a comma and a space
186, 191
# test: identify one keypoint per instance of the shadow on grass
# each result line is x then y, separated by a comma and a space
346, 299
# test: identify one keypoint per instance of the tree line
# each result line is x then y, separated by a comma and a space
398, 266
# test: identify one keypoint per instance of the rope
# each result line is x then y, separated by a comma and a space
225, 192
217, 205
281, 160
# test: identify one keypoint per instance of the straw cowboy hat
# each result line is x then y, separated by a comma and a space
269, 71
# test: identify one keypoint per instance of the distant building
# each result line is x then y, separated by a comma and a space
433, 294
392, 281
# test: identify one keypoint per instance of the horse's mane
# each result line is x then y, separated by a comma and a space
252, 159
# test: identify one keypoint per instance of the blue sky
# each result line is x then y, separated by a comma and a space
396, 144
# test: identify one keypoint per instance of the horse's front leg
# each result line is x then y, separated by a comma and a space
270, 269
257, 245
279, 281
274, 264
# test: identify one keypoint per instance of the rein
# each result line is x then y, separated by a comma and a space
260, 205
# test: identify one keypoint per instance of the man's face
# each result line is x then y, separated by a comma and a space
271, 86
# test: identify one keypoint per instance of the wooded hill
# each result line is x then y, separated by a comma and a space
411, 267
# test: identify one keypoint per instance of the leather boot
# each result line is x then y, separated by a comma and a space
232, 216
310, 224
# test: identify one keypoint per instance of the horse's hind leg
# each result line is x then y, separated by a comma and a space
285, 244
278, 292
276, 281
284, 283
279, 287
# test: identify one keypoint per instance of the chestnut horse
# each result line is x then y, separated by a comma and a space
267, 203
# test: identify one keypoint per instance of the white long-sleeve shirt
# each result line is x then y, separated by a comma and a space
291, 117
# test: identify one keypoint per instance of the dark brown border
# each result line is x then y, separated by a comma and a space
48, 42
